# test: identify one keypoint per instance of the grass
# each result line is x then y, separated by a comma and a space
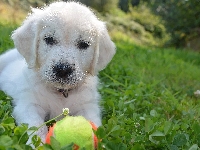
148, 100
148, 96
11, 14
5, 40
10, 18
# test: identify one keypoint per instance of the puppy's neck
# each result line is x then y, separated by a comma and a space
64, 92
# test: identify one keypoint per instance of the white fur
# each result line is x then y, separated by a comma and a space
27, 75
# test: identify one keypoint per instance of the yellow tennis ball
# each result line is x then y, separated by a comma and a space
75, 130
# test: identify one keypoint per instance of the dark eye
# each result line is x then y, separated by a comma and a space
83, 44
50, 40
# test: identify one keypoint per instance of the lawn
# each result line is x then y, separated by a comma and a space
148, 100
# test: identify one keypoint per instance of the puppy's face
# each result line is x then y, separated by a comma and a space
66, 51
65, 42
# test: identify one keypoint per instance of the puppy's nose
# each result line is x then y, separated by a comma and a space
63, 70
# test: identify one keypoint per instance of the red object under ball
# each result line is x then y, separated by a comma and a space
76, 147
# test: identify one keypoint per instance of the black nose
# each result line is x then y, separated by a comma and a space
63, 70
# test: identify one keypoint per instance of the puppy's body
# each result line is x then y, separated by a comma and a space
59, 53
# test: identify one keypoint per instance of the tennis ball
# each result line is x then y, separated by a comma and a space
75, 130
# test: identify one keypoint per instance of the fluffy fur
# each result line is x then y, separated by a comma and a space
59, 51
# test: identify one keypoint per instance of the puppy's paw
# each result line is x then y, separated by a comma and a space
42, 132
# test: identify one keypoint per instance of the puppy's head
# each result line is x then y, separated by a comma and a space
64, 42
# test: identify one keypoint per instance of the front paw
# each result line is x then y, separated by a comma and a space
41, 133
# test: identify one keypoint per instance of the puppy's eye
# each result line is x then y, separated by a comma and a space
49, 40
82, 44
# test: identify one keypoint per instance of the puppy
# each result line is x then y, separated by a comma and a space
59, 51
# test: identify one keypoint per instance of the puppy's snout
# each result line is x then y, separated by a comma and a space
63, 70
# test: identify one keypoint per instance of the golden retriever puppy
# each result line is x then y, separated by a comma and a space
59, 51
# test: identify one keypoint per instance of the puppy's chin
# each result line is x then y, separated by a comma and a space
58, 86
68, 83
65, 86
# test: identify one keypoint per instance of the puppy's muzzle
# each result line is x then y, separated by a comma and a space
63, 70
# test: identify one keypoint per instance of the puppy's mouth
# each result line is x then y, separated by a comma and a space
64, 76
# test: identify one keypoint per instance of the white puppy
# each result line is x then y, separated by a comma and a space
59, 51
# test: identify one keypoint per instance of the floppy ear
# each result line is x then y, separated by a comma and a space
26, 41
104, 51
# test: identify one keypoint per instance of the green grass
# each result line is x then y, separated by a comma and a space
5, 39
148, 96
148, 101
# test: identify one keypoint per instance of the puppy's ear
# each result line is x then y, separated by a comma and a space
26, 40
105, 50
